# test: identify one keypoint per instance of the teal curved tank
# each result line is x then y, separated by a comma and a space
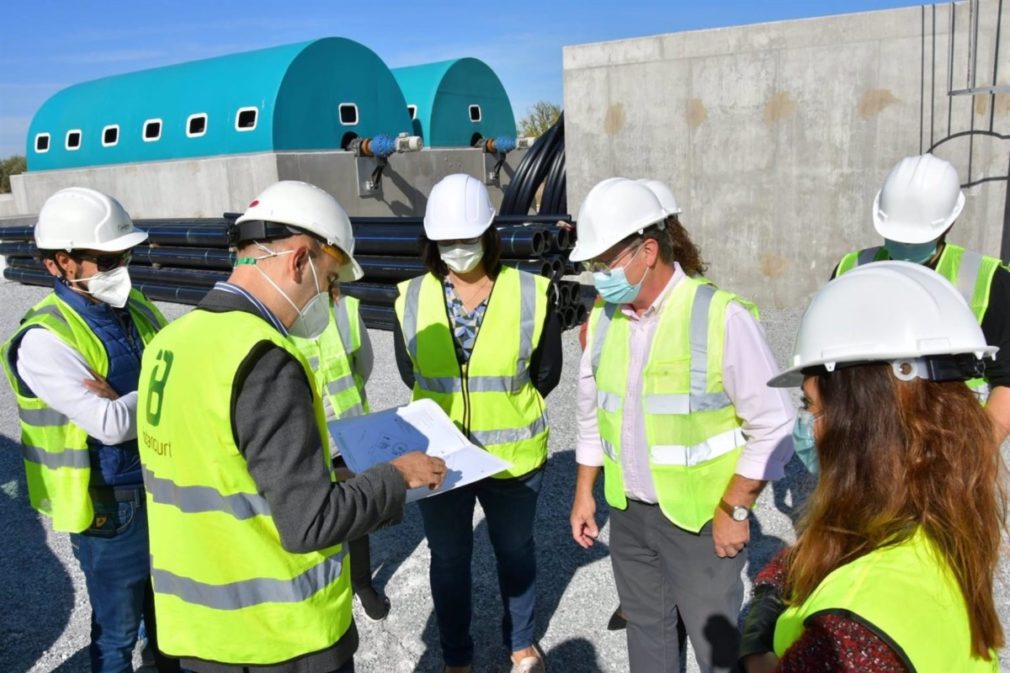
308, 96
454, 102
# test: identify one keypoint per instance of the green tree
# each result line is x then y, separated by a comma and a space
539, 117
10, 166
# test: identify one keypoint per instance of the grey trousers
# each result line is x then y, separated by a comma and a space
665, 573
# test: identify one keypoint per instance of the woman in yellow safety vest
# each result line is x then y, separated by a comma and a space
893, 567
482, 340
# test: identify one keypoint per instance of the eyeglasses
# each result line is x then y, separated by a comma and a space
597, 266
105, 262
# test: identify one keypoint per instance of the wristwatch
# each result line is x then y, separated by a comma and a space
736, 512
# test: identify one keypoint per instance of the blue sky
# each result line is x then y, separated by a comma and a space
46, 45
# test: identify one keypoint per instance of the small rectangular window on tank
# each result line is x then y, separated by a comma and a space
348, 114
110, 135
245, 118
196, 125
152, 130
412, 111
475, 113
41, 143
74, 139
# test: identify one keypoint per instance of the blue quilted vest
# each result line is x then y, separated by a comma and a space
117, 464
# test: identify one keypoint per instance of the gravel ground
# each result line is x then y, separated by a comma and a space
44, 620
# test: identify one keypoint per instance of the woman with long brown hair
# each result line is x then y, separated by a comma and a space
893, 567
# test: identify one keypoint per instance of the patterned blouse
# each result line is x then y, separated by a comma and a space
464, 325
830, 642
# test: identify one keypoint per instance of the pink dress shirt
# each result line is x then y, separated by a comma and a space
767, 413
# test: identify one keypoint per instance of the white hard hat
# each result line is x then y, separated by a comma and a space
664, 194
311, 209
459, 207
613, 210
885, 311
78, 218
920, 199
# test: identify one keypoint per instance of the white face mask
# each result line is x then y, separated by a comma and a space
461, 257
111, 287
315, 315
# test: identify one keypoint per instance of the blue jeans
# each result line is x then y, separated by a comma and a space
510, 507
115, 560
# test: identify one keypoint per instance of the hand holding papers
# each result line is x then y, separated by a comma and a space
422, 426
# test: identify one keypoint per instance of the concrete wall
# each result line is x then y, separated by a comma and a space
776, 137
209, 187
8, 206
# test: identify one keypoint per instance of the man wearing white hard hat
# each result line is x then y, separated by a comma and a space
74, 365
248, 524
673, 408
914, 212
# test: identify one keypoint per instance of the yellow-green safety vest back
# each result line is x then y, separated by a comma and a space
970, 272
331, 356
225, 589
55, 450
693, 435
906, 594
491, 398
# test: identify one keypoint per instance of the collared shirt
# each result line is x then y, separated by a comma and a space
767, 413
261, 308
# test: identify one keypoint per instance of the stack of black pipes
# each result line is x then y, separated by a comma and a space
182, 259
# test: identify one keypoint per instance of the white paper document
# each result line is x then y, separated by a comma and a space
376, 438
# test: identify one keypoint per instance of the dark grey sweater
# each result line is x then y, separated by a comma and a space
275, 429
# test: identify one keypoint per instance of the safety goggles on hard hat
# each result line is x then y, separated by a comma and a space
104, 262
334, 252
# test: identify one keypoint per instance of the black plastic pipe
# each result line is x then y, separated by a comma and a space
156, 291
371, 293
207, 258
17, 249
171, 276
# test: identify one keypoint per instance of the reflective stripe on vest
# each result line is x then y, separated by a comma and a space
689, 456
42, 418
682, 401
868, 255
491, 397
331, 356
508, 436
195, 499
66, 457
252, 592
55, 450
699, 399
908, 595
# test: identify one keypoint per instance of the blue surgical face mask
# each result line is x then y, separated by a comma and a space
614, 287
803, 440
910, 252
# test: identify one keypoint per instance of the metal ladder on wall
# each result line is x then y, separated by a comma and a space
964, 73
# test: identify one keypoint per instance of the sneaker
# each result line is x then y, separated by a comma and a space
375, 605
